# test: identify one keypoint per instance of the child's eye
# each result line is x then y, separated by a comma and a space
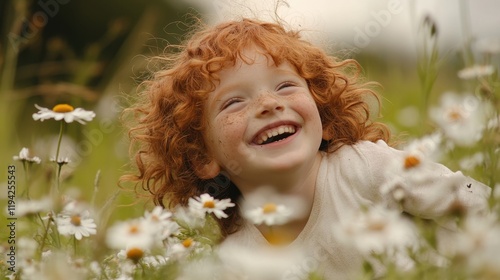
229, 102
285, 85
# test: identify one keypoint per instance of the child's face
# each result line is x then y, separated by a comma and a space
251, 104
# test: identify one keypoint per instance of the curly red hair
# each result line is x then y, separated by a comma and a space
169, 128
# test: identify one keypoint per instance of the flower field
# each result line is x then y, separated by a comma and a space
64, 215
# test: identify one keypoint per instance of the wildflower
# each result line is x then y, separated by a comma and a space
462, 118
268, 207
63, 112
133, 253
159, 219
477, 243
79, 225
133, 233
31, 207
155, 261
188, 218
427, 146
158, 215
61, 160
73, 207
270, 214
207, 204
182, 248
476, 71
470, 162
24, 155
379, 231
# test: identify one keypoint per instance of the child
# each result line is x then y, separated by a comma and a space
254, 103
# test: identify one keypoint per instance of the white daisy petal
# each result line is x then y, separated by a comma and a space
24, 156
207, 204
63, 112
79, 225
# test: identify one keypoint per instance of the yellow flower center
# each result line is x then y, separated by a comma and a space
135, 254
376, 226
209, 204
455, 115
76, 220
187, 242
63, 108
269, 208
411, 161
133, 229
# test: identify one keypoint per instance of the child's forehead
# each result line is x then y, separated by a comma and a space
253, 54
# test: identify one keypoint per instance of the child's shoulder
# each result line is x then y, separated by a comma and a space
364, 151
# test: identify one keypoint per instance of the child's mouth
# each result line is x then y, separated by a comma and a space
275, 134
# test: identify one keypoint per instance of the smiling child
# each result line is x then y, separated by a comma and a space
253, 103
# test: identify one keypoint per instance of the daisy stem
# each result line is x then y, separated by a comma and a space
58, 174
26, 178
45, 233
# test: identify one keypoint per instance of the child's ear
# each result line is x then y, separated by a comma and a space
208, 171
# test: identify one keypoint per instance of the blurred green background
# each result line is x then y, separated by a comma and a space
92, 54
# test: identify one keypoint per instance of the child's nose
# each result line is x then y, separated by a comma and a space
268, 104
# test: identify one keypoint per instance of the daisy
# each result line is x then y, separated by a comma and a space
410, 169
205, 203
476, 71
160, 220
132, 233
470, 162
133, 253
187, 218
477, 243
379, 231
24, 155
79, 225
158, 216
31, 207
61, 160
270, 214
268, 207
155, 261
461, 117
182, 248
428, 146
63, 112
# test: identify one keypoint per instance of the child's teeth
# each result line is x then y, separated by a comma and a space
274, 132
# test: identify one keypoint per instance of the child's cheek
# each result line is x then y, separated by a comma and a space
305, 105
231, 127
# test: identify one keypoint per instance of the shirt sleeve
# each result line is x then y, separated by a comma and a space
419, 186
